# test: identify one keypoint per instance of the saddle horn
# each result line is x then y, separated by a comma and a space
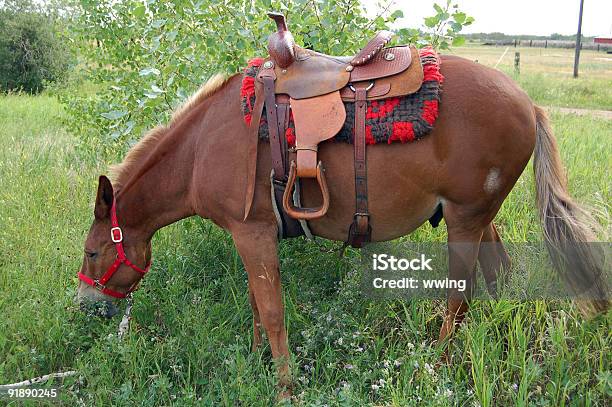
281, 43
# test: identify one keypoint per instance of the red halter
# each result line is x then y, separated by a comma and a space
117, 238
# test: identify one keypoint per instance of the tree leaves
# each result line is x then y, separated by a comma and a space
147, 58
149, 71
114, 114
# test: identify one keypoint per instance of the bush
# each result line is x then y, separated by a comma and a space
31, 54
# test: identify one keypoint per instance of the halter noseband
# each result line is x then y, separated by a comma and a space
117, 238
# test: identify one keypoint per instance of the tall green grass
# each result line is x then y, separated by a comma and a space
190, 338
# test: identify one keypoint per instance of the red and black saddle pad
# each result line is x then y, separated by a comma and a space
402, 119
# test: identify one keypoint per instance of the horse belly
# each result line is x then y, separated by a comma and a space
401, 189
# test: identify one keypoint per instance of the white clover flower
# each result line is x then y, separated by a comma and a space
375, 387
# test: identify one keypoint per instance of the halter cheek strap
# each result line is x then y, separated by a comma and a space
117, 238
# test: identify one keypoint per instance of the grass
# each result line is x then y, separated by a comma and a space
190, 338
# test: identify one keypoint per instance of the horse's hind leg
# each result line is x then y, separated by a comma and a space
463, 247
492, 257
465, 230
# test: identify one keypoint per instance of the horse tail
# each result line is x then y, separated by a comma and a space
567, 227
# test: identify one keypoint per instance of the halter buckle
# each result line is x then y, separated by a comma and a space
116, 234
99, 286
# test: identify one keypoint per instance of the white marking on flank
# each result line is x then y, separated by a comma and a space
492, 182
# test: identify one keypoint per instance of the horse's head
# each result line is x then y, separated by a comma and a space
115, 259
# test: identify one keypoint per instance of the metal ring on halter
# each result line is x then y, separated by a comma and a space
351, 87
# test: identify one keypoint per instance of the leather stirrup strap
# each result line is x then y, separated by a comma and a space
277, 116
276, 147
291, 227
360, 231
283, 111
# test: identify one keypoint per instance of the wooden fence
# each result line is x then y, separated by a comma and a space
549, 43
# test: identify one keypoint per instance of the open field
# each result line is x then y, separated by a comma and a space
190, 339
546, 74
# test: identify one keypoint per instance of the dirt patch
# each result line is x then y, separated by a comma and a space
601, 114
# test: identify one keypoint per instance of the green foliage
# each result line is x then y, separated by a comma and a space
446, 25
148, 57
31, 53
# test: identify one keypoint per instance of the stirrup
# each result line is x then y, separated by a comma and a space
305, 213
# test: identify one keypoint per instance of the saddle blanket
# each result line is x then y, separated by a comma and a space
404, 119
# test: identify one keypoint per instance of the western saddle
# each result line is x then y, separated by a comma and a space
313, 86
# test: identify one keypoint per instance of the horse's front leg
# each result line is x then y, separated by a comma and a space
257, 246
256, 320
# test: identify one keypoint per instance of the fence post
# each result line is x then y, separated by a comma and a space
517, 63
578, 41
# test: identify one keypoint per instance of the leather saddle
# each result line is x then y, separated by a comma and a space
313, 88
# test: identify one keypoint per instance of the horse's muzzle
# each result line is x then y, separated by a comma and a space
97, 308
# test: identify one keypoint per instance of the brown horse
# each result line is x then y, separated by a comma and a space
203, 161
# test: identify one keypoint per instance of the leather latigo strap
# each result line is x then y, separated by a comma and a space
277, 114
360, 230
276, 145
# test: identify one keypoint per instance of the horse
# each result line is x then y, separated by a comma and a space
206, 159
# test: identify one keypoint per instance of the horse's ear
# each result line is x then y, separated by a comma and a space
104, 198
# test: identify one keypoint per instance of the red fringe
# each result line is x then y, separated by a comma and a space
290, 134
403, 132
247, 90
430, 111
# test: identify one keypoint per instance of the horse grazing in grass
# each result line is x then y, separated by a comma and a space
206, 159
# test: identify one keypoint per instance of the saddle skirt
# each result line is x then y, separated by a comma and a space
392, 119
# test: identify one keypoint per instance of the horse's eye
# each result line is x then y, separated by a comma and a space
91, 254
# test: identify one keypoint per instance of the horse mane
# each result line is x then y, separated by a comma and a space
138, 153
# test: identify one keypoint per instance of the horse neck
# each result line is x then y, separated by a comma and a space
159, 191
